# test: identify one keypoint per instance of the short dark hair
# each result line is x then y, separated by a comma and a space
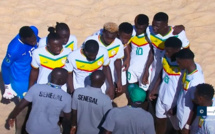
91, 46
61, 26
125, 27
52, 34
205, 90
142, 19
185, 54
161, 16
26, 32
173, 42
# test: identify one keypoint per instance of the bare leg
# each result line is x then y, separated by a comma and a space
20, 121
161, 124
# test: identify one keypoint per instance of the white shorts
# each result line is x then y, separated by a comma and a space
135, 75
161, 109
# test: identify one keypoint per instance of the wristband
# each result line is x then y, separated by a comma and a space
187, 126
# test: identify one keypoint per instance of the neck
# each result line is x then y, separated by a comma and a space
102, 39
96, 85
136, 105
191, 68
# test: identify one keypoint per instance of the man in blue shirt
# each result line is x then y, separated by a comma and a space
16, 66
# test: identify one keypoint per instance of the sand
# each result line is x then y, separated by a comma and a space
84, 17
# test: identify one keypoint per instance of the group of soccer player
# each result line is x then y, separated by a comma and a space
157, 58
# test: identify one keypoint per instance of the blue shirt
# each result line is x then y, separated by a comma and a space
16, 65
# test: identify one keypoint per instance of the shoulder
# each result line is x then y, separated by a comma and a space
75, 53
73, 37
42, 42
79, 90
67, 50
40, 50
200, 71
102, 49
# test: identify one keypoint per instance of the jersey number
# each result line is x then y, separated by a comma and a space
139, 51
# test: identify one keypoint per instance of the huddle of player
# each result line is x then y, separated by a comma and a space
155, 57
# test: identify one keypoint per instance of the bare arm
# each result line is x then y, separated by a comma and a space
107, 132
126, 62
33, 76
155, 89
67, 122
146, 69
178, 29
70, 85
11, 118
74, 122
107, 72
118, 67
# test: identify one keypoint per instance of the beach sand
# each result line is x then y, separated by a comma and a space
84, 17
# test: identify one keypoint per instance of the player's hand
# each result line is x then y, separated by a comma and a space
110, 92
73, 130
152, 95
171, 111
178, 29
185, 131
9, 123
9, 93
126, 65
145, 78
119, 87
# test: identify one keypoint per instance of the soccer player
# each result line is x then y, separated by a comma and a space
69, 41
16, 64
16, 67
125, 34
204, 97
157, 33
192, 76
131, 119
108, 39
48, 101
89, 105
139, 51
167, 80
83, 61
45, 59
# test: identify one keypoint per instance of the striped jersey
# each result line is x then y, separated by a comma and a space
82, 68
158, 40
170, 79
139, 51
115, 51
71, 44
46, 62
186, 95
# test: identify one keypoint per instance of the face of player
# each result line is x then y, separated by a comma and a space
197, 99
108, 37
159, 26
64, 34
90, 56
140, 29
31, 40
182, 63
169, 52
124, 37
55, 46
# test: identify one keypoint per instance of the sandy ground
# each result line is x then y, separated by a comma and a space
87, 16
